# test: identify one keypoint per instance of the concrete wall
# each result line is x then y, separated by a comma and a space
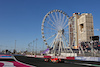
86, 31
83, 28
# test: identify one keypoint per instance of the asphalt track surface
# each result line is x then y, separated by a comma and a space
41, 63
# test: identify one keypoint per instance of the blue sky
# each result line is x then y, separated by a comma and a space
21, 20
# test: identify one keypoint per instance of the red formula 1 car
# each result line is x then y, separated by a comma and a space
54, 60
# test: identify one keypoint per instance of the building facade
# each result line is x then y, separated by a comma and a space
81, 28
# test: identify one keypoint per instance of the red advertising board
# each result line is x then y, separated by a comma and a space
70, 58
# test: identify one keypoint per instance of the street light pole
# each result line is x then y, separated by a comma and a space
33, 46
28, 47
15, 44
36, 45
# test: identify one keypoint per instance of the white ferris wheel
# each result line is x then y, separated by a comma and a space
55, 31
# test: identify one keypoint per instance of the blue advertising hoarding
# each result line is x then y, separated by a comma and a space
87, 58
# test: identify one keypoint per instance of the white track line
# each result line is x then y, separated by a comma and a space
22, 62
83, 64
87, 64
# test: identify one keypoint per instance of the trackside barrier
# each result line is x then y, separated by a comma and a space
78, 58
54, 57
87, 58
60, 57
30, 55
98, 58
47, 56
33, 56
69, 58
6, 57
38, 56
69, 54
